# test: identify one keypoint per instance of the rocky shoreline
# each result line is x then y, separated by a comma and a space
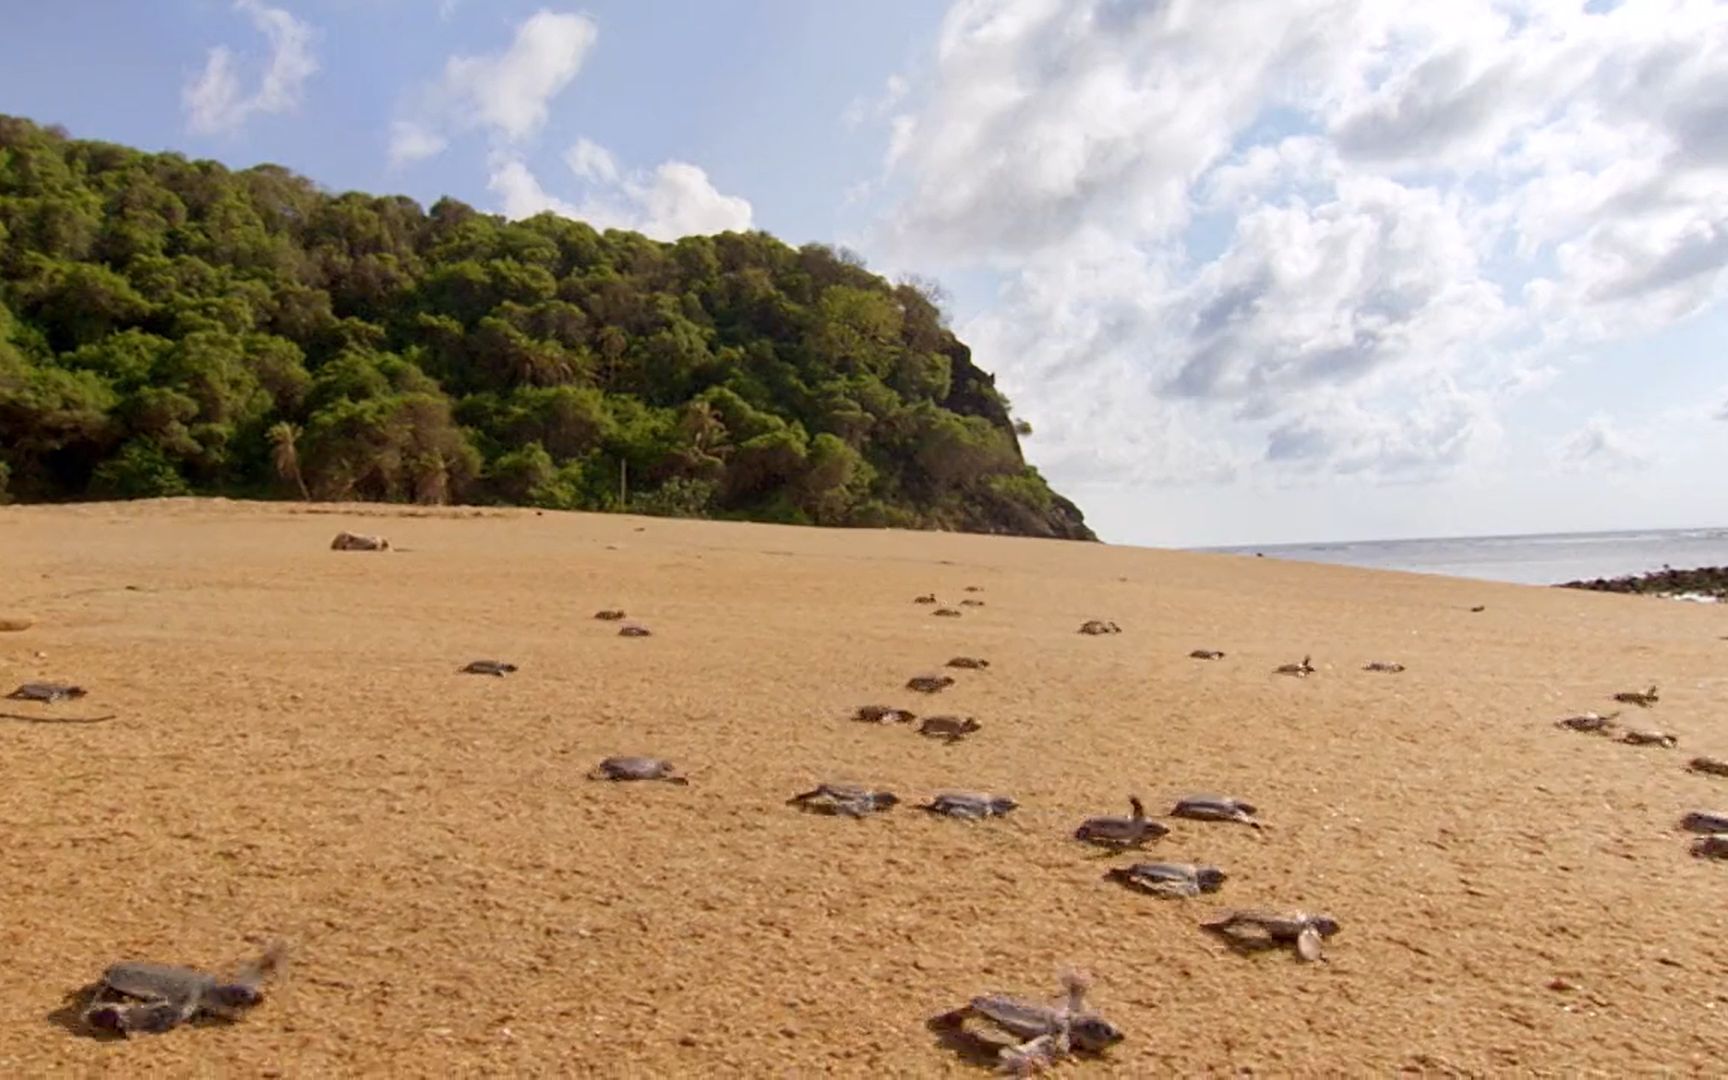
1704, 582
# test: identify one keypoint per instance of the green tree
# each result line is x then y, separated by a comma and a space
170, 325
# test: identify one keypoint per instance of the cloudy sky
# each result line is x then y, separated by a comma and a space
1254, 272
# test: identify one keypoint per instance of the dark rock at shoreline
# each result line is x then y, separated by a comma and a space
1703, 581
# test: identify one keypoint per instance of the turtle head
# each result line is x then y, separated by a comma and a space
1093, 1033
235, 995
1209, 878
884, 799
1324, 925
1001, 804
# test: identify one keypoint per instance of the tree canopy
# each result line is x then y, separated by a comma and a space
170, 326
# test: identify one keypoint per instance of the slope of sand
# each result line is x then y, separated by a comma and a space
295, 757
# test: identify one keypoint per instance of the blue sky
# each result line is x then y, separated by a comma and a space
1330, 269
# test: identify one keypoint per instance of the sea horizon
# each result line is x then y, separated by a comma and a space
1547, 558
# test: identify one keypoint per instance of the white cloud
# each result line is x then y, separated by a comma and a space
864, 109
508, 93
673, 200
409, 142
592, 162
215, 102
1599, 446
1320, 236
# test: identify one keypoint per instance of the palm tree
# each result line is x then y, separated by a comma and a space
286, 456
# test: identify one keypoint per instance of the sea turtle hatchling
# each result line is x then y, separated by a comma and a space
1711, 766
48, 692
1168, 879
883, 714
609, 615
929, 684
948, 728
499, 668
946, 613
969, 805
1593, 723
970, 663
851, 800
1301, 671
1121, 832
1650, 737
634, 630
927, 598
1633, 697
636, 767
1389, 667
141, 996
1713, 846
1705, 821
1267, 929
1048, 1032
347, 541
1207, 807
1095, 627
1206, 654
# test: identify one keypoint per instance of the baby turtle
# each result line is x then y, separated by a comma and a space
489, 667
1710, 765
969, 602
1216, 808
946, 613
927, 598
1705, 821
852, 800
1650, 737
1479, 608
634, 630
1589, 722
1206, 654
634, 767
1267, 929
47, 691
948, 728
609, 615
1301, 671
1099, 626
970, 663
1168, 879
1048, 1032
141, 996
347, 541
969, 805
1642, 700
974, 588
883, 714
1714, 846
1391, 668
1121, 832
929, 684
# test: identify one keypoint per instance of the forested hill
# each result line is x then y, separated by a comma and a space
171, 326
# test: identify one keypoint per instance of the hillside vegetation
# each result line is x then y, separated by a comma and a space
170, 326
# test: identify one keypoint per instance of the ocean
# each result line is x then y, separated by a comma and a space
1546, 559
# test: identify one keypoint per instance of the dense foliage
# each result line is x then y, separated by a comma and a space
171, 326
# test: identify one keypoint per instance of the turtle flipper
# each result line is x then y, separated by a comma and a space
1034, 1055
150, 1017
1308, 943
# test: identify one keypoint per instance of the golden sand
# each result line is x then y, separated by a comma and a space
295, 756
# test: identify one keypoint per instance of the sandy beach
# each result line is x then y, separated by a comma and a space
294, 756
